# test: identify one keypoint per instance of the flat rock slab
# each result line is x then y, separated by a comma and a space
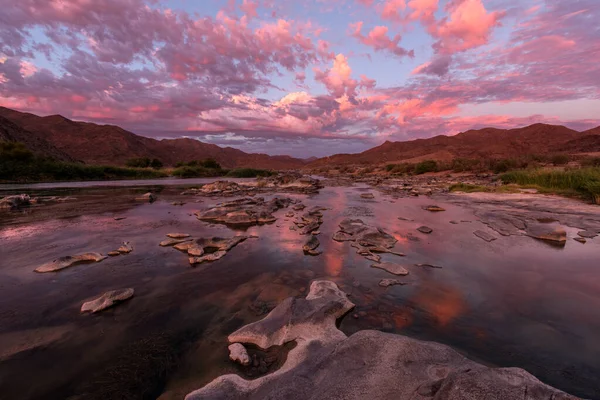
326, 364
367, 196
587, 234
425, 229
147, 197
69, 261
424, 265
484, 235
391, 268
178, 235
434, 208
546, 233
580, 240
107, 300
390, 282
172, 242
125, 248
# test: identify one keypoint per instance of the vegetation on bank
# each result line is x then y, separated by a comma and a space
583, 181
18, 164
249, 173
144, 162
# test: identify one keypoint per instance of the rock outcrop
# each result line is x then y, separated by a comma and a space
69, 261
244, 212
14, 202
326, 364
107, 300
367, 239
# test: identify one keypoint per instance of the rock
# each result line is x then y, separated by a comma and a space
14, 202
113, 253
544, 232
428, 266
587, 234
454, 222
367, 239
178, 235
119, 218
178, 203
425, 229
171, 242
325, 364
69, 261
298, 207
504, 224
405, 219
316, 233
434, 208
244, 212
342, 236
195, 250
484, 235
391, 268
580, 240
147, 197
184, 246
290, 214
311, 244
107, 300
390, 282
238, 353
367, 196
125, 248
217, 255
213, 249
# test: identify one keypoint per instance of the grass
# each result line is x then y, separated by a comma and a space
584, 182
468, 188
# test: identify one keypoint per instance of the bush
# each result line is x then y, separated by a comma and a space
17, 164
249, 173
209, 163
196, 172
591, 162
560, 159
426, 166
585, 181
143, 162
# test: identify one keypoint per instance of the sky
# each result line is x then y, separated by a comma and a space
305, 78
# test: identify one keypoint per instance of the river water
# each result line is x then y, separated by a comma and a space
513, 302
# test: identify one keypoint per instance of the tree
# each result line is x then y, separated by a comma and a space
156, 163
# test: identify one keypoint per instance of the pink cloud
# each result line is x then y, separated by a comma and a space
378, 39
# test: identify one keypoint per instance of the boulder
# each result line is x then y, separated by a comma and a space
238, 353
107, 300
69, 261
391, 268
326, 364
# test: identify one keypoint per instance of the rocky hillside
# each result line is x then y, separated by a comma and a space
110, 144
477, 144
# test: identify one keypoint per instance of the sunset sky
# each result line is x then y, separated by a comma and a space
305, 78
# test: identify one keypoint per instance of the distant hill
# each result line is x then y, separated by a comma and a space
537, 139
109, 144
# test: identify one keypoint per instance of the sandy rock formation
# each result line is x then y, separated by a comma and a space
69, 261
107, 300
326, 364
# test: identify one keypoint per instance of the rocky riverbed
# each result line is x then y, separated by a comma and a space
506, 280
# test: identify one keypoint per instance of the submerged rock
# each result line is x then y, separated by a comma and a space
390, 282
367, 196
425, 229
587, 234
69, 261
238, 353
365, 238
212, 249
326, 364
484, 235
580, 240
310, 246
107, 300
391, 268
428, 266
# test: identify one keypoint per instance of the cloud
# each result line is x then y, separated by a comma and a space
378, 39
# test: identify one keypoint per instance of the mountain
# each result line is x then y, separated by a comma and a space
110, 144
495, 143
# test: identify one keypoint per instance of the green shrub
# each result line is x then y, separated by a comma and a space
249, 173
425, 166
143, 162
156, 163
585, 181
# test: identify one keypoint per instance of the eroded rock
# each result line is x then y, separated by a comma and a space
425, 229
390, 282
365, 238
310, 246
147, 197
326, 364
172, 242
178, 235
434, 208
212, 249
107, 300
244, 212
14, 202
125, 248
547, 233
69, 261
